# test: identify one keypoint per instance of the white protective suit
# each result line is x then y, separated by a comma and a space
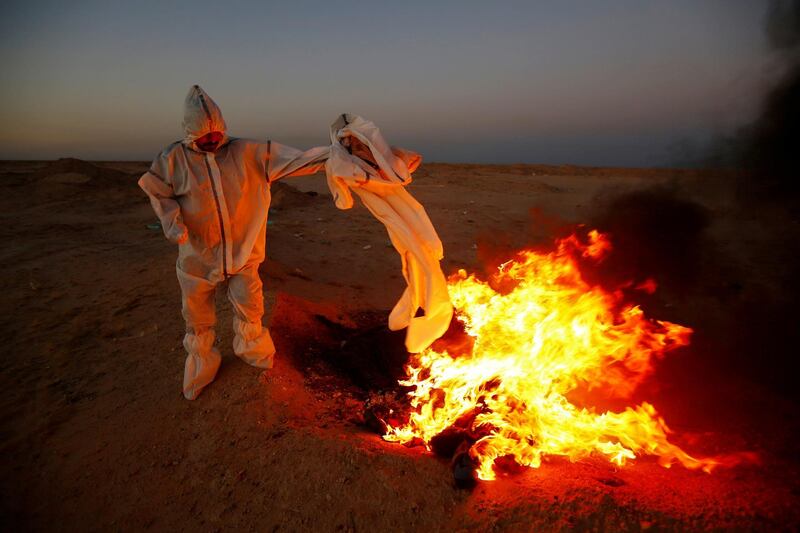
214, 205
382, 190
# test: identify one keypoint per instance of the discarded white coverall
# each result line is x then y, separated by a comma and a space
214, 205
382, 190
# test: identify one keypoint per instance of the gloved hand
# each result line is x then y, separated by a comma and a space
178, 233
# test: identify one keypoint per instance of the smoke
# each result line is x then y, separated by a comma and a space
657, 231
769, 144
732, 277
728, 269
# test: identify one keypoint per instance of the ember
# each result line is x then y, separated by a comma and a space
540, 332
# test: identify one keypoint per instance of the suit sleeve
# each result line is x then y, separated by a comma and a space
411, 159
157, 185
284, 161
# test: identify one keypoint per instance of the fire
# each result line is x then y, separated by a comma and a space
546, 334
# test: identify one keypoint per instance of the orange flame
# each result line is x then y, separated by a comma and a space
551, 333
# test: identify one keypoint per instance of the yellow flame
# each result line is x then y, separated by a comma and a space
550, 333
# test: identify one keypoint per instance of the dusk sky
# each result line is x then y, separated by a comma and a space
584, 82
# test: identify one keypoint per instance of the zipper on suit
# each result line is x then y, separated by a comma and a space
219, 218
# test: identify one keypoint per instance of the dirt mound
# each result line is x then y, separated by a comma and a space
67, 178
70, 165
287, 197
71, 171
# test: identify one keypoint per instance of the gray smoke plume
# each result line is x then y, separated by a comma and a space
769, 149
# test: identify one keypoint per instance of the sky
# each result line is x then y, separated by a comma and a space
605, 82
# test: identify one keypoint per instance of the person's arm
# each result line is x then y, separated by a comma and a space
156, 184
284, 161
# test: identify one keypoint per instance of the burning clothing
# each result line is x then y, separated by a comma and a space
379, 181
214, 205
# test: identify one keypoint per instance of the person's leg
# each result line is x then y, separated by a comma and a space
202, 359
251, 342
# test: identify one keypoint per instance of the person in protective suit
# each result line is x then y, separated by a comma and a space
211, 193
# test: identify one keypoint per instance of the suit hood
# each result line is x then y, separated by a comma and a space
201, 115
395, 171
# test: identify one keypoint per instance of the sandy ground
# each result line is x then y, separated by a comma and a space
96, 435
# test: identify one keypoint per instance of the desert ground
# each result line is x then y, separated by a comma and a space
96, 435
